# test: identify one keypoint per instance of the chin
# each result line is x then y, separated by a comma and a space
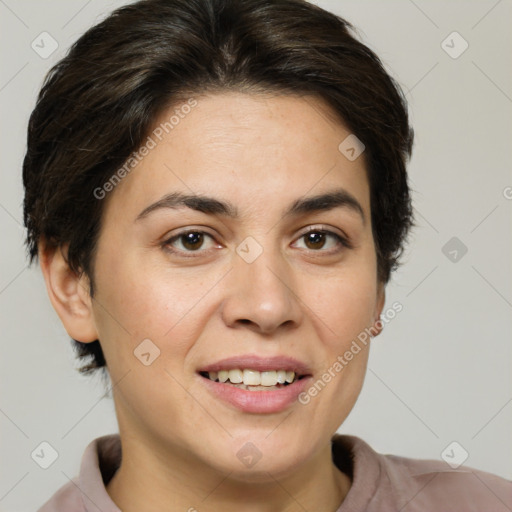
253, 458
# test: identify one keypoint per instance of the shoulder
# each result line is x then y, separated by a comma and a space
66, 499
435, 484
87, 491
427, 484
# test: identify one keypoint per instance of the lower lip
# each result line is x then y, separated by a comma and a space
260, 402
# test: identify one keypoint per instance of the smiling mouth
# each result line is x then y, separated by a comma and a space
254, 380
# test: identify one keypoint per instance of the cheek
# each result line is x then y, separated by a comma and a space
150, 301
148, 304
344, 310
346, 306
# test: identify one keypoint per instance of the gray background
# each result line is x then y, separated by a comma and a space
440, 372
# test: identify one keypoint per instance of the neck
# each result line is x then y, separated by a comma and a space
149, 482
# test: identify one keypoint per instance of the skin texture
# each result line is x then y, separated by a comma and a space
296, 299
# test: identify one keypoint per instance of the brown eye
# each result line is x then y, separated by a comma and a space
193, 240
315, 240
323, 241
188, 242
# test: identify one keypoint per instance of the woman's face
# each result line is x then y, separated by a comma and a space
246, 289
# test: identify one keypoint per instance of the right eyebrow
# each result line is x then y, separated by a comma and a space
202, 204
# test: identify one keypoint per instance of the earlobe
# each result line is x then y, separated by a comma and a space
68, 293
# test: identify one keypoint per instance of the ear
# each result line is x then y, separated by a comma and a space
68, 293
377, 326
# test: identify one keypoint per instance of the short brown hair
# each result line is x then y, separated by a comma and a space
98, 104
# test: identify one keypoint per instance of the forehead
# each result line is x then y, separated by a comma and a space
253, 150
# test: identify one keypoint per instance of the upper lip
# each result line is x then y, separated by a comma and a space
262, 364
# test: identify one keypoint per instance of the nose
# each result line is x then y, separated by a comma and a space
261, 294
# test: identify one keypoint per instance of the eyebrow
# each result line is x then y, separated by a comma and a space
338, 198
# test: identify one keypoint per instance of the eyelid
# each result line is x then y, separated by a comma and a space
323, 228
342, 238
168, 238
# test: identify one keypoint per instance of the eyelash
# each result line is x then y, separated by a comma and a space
342, 241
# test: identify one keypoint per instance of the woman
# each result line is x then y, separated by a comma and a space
217, 194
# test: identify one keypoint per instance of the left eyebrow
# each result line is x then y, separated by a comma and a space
338, 198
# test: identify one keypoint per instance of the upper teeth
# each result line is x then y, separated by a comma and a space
253, 377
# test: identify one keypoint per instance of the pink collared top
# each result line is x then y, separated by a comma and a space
380, 483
